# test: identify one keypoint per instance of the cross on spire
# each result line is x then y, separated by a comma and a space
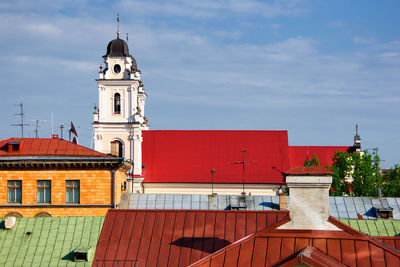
117, 26
243, 163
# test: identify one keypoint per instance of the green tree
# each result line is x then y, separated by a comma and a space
364, 176
391, 186
342, 167
313, 162
355, 174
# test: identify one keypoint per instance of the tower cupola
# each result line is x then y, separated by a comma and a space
117, 48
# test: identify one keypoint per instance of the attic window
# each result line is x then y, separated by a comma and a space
384, 213
82, 254
13, 146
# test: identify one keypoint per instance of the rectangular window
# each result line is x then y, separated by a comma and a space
72, 191
43, 191
14, 192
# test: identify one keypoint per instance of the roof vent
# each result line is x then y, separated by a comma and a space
384, 212
238, 202
82, 253
9, 223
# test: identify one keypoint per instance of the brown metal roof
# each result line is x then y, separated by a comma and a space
174, 237
273, 247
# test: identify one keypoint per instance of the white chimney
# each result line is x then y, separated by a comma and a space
309, 198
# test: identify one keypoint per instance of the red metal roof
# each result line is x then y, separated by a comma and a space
301, 170
174, 237
55, 147
274, 247
298, 154
188, 156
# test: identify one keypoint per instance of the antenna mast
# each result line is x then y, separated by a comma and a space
37, 127
22, 124
243, 163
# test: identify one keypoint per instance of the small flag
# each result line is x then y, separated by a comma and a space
117, 17
73, 130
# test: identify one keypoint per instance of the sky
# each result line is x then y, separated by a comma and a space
315, 68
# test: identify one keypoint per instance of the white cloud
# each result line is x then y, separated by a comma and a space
211, 9
363, 40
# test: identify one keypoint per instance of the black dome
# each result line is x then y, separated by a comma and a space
117, 48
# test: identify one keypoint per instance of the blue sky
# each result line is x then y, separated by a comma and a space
312, 67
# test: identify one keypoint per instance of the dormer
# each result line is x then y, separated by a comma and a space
14, 146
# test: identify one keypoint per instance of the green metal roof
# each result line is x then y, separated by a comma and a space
51, 242
375, 227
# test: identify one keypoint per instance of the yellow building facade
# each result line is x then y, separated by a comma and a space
55, 185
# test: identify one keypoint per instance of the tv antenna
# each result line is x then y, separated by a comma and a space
21, 124
37, 127
243, 163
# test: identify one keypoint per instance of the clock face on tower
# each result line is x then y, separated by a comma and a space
117, 68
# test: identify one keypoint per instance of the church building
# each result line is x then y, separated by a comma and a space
183, 161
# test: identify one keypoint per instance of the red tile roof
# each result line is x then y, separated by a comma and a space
301, 170
188, 156
46, 147
272, 247
174, 237
298, 154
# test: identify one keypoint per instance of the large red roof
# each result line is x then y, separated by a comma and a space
174, 237
45, 147
188, 156
298, 154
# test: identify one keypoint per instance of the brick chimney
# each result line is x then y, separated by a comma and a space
309, 198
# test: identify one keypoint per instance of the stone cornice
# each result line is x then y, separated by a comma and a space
60, 164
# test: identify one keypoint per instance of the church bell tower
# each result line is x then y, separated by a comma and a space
119, 118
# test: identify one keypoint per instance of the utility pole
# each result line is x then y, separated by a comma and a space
21, 124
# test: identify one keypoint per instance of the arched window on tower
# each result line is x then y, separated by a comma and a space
117, 103
117, 148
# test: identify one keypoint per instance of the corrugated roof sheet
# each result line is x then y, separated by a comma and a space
272, 247
174, 237
380, 227
188, 156
30, 147
340, 207
51, 241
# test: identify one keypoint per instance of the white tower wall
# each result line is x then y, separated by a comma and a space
121, 120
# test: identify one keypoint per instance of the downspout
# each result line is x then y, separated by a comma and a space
115, 183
